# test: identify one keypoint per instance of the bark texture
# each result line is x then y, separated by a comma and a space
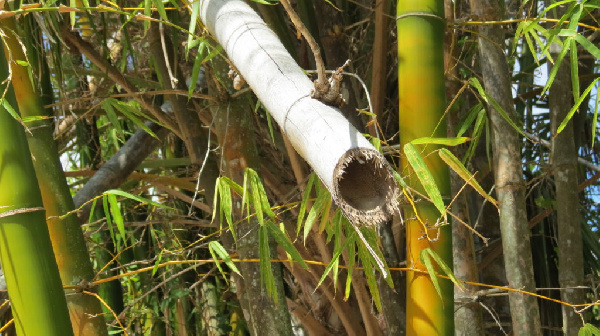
510, 188
564, 169
115, 171
468, 318
358, 177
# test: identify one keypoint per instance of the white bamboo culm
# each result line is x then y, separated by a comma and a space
357, 175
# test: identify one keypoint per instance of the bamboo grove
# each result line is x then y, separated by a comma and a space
439, 177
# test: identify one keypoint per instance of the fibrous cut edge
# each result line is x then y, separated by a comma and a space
364, 187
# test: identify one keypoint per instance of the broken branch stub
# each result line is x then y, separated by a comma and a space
357, 175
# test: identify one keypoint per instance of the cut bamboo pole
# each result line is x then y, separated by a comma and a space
357, 175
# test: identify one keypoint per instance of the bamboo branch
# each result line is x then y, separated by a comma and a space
85, 48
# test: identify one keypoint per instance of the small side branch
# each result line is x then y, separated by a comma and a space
326, 90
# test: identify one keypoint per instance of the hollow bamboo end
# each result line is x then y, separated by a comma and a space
364, 187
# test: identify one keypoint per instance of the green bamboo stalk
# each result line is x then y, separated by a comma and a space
420, 25
70, 249
31, 273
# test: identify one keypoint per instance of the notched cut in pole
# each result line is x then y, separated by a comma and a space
357, 175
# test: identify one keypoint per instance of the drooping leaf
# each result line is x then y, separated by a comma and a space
416, 161
10, 109
224, 202
454, 163
130, 114
115, 213
316, 210
136, 198
161, 9
109, 222
336, 255
266, 271
595, 119
471, 115
283, 240
157, 262
589, 46
426, 260
107, 106
369, 271
440, 141
491, 101
351, 262
427, 257
588, 330
194, 12
305, 198
217, 250
575, 107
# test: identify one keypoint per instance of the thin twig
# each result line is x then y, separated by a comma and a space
312, 43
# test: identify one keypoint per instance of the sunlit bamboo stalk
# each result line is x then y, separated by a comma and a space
420, 25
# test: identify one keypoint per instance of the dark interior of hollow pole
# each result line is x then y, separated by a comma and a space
363, 185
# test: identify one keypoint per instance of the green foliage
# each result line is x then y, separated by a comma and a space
428, 256
588, 330
414, 158
218, 252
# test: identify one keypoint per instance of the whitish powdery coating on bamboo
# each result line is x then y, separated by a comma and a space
357, 175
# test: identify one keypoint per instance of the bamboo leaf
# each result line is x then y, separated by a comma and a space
157, 262
574, 70
588, 330
197, 65
491, 101
370, 243
575, 107
337, 243
424, 175
266, 271
258, 196
369, 271
471, 115
336, 255
129, 113
351, 261
194, 12
109, 222
556, 66
115, 212
161, 9
305, 197
595, 119
440, 141
325, 213
454, 163
426, 260
478, 128
10, 109
107, 105
426, 256
399, 179
315, 211
216, 249
136, 198
225, 203
283, 240
589, 46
